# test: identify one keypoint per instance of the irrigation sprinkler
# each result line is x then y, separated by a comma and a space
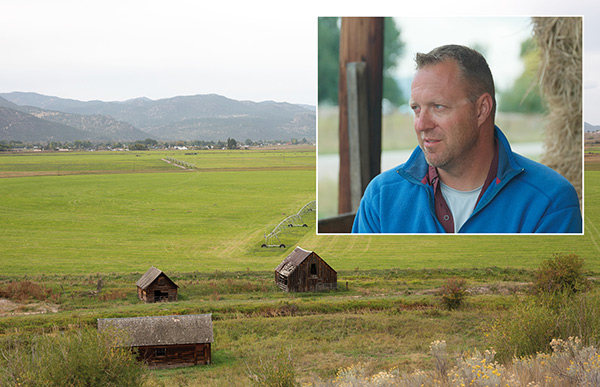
272, 238
274, 235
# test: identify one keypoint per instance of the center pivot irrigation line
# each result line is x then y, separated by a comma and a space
291, 221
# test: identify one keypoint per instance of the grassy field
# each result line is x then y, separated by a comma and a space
125, 222
204, 227
63, 163
383, 318
215, 219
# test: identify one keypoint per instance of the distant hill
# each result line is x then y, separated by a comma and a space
31, 124
16, 125
96, 126
590, 128
8, 104
197, 117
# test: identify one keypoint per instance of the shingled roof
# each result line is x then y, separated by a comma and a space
292, 261
162, 330
149, 277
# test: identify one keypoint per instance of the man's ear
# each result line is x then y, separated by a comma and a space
484, 107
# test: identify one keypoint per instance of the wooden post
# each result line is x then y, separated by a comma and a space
361, 40
358, 130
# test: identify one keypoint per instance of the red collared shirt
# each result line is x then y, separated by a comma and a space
442, 211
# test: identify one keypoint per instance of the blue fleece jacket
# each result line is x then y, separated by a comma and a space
525, 197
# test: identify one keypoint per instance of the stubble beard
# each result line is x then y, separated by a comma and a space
454, 157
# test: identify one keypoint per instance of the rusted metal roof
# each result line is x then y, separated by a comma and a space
292, 261
161, 330
150, 276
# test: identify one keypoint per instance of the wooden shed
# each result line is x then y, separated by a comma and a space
165, 341
305, 271
155, 286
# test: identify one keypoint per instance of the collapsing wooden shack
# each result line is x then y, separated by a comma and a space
165, 341
156, 286
305, 271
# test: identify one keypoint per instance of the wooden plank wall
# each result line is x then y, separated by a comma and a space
166, 287
300, 280
176, 355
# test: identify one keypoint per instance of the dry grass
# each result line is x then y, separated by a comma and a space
569, 365
560, 77
22, 291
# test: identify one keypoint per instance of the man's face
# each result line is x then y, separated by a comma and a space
445, 119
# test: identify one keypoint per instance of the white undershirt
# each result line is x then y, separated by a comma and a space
461, 203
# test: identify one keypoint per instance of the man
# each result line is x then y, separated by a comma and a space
463, 176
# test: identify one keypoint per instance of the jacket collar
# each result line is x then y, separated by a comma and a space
416, 168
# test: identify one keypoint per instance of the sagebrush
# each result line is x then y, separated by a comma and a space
74, 358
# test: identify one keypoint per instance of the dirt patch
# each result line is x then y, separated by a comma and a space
591, 158
503, 288
11, 308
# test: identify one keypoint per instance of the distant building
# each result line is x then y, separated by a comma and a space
155, 286
305, 271
165, 341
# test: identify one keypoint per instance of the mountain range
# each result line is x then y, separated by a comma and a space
32, 117
590, 128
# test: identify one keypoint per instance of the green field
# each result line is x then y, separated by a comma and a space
61, 163
68, 220
189, 220
216, 218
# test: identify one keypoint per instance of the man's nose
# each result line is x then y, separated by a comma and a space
423, 121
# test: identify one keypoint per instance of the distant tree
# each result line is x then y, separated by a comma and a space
150, 142
328, 60
248, 142
231, 143
78, 144
524, 95
393, 49
137, 146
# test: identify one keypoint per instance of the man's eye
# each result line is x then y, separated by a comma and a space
438, 107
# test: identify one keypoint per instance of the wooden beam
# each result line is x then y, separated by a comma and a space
339, 224
358, 131
361, 40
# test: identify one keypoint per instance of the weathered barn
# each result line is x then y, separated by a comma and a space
305, 271
155, 286
165, 341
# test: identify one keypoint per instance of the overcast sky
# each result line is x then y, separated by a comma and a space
259, 50
500, 44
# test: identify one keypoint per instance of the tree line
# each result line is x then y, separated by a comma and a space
146, 144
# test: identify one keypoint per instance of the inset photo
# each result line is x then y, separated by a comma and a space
470, 125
